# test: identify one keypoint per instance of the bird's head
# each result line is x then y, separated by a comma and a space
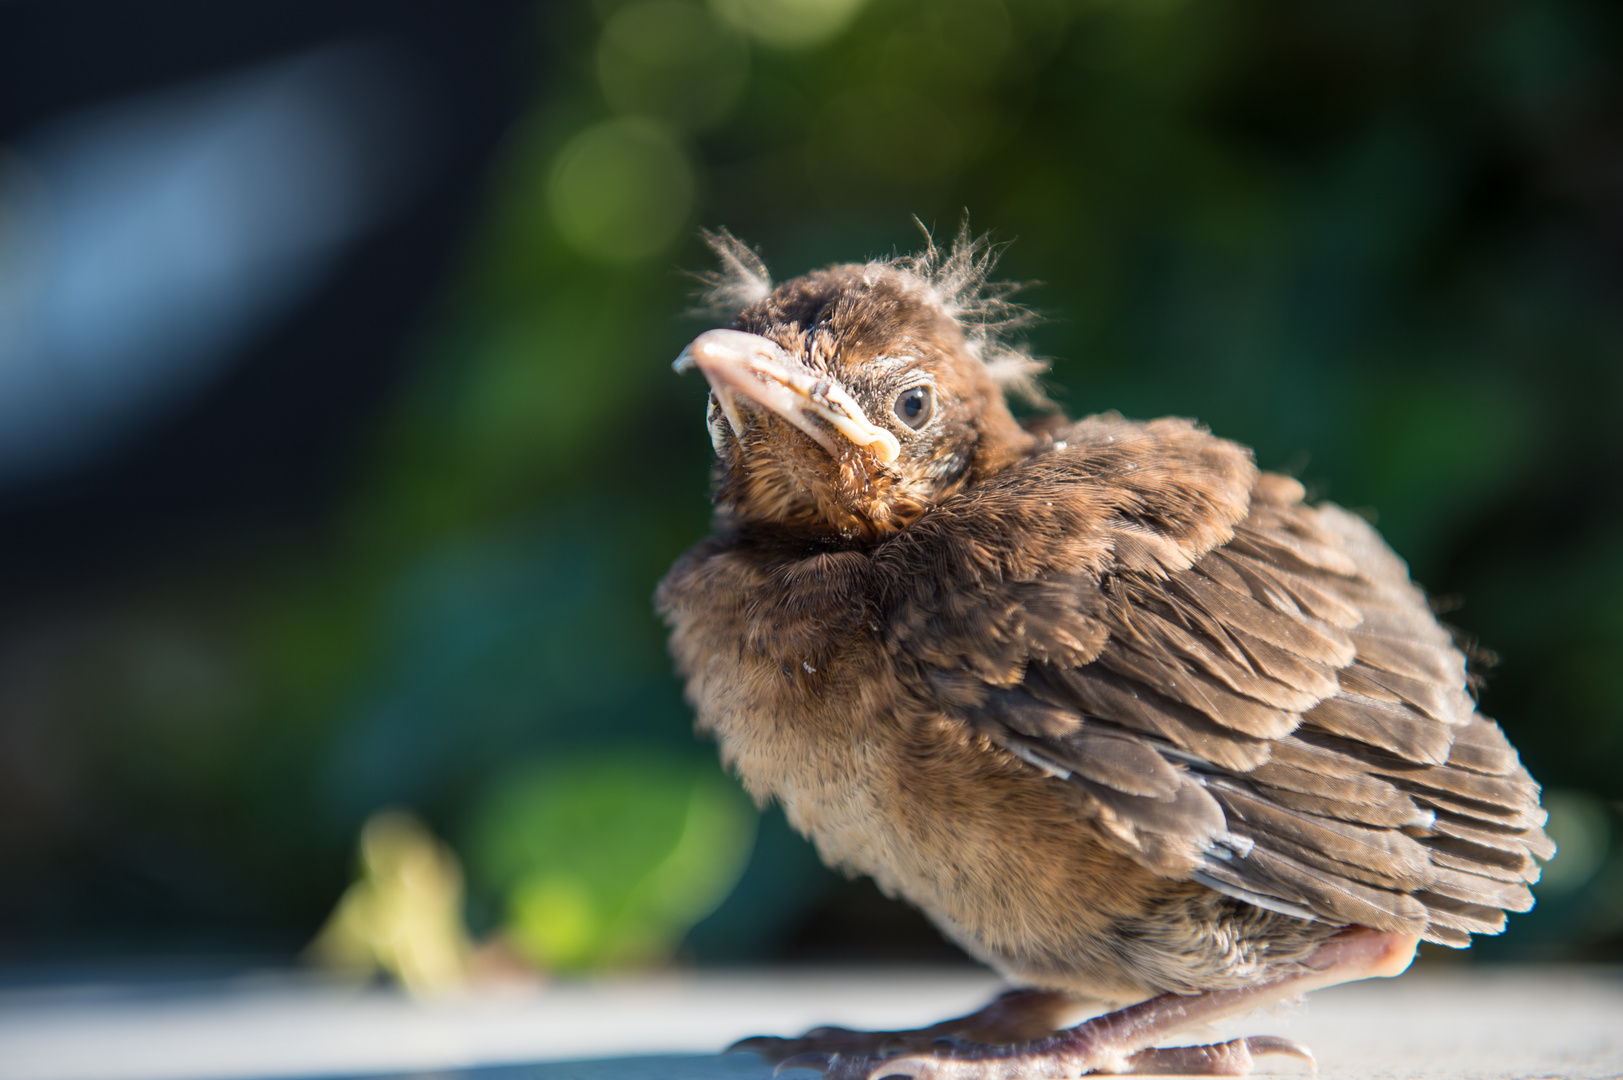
852, 399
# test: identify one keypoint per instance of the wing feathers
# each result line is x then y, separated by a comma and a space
1315, 640
1337, 898
1020, 712
1385, 724
1397, 814
1121, 762
1112, 759
1099, 693
1476, 889
1313, 599
1522, 815
1481, 747
1411, 659
1460, 915
1259, 700
1280, 547
1190, 688
1250, 667
1443, 935
1169, 836
1307, 676
1498, 790
1241, 887
1445, 704
1483, 855
1389, 857
1356, 787
1404, 617
1508, 839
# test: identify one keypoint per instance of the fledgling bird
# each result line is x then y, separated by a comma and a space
1128, 718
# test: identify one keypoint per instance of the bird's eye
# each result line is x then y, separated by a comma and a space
914, 406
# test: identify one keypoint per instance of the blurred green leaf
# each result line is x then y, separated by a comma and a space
608, 860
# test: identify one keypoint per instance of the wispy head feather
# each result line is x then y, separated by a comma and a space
741, 281
959, 281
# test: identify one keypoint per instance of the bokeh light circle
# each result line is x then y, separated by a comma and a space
789, 24
622, 190
671, 59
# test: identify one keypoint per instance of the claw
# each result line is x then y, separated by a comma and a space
1260, 1045
812, 1060
1232, 1058
904, 1068
922, 1067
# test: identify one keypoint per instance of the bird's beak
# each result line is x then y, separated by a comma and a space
738, 363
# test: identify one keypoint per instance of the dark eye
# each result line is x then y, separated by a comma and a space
914, 406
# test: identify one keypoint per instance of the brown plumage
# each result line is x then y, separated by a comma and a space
1122, 714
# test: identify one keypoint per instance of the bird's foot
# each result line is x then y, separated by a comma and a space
1120, 1042
1018, 1016
1067, 1056
1232, 1058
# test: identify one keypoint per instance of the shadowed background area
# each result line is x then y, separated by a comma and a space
339, 452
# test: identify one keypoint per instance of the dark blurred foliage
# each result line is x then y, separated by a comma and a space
403, 557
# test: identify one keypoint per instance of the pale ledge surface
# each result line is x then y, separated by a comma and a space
1482, 1023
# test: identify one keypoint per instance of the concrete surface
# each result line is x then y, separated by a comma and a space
1479, 1023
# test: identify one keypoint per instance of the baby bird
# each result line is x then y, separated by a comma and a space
1129, 719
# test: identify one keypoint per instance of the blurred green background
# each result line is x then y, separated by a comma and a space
1381, 242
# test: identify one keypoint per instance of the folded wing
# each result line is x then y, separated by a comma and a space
1276, 714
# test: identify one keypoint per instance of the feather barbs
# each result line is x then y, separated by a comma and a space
956, 280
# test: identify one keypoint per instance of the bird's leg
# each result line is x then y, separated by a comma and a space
1016, 1016
1124, 1041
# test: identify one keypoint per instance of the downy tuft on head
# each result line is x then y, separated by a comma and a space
741, 281
958, 281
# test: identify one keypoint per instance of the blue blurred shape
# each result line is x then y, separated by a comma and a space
144, 244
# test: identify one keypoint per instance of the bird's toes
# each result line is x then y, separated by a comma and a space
911, 1066
844, 1042
854, 1066
767, 1047
1233, 1058
945, 1067
811, 1059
